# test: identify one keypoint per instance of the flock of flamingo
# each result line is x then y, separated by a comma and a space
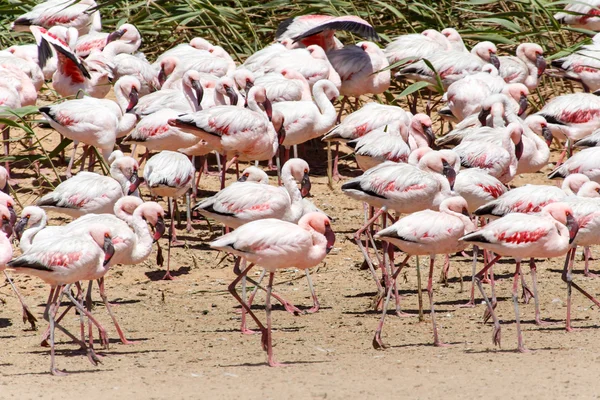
453, 190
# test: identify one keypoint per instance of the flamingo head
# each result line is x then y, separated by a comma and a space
321, 224
30, 215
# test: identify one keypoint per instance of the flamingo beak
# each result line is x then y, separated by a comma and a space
573, 227
159, 229
519, 149
115, 35
494, 60
20, 227
540, 63
268, 109
547, 134
13, 215
449, 173
133, 99
249, 85
162, 77
281, 133
135, 183
233, 97
197, 86
523, 104
7, 229
430, 135
305, 185
483, 114
243, 178
109, 250
465, 212
330, 236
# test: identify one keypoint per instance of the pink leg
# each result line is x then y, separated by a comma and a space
478, 276
587, 254
336, 173
536, 298
72, 160
515, 290
316, 304
112, 315
357, 238
436, 340
223, 170
471, 302
271, 360
27, 315
527, 293
51, 309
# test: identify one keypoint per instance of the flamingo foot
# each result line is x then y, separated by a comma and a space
313, 309
571, 329
539, 322
527, 295
441, 344
589, 274
378, 343
523, 349
469, 304
401, 314
292, 309
485, 281
246, 331
168, 277
273, 363
58, 372
94, 358
487, 314
496, 335
29, 317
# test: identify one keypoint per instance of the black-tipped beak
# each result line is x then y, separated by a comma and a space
540, 63
465, 212
494, 60
233, 96
133, 99
20, 227
115, 35
547, 134
248, 87
197, 86
449, 173
159, 229
268, 109
281, 133
109, 250
429, 134
573, 227
305, 185
330, 236
162, 77
243, 178
13, 215
7, 229
523, 104
135, 183
483, 114
519, 149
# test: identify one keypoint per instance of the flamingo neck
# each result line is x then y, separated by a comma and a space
120, 177
143, 243
327, 110
291, 186
27, 238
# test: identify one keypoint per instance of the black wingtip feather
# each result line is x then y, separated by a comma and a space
551, 119
22, 262
44, 53
49, 202
487, 209
357, 28
556, 174
476, 237
283, 27
355, 185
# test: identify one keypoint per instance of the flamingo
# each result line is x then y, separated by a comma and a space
244, 133
4, 177
71, 13
429, 233
88, 192
23, 68
580, 14
305, 120
389, 143
548, 234
584, 162
526, 67
29, 52
95, 122
274, 244
317, 29
581, 66
285, 85
170, 174
416, 46
61, 261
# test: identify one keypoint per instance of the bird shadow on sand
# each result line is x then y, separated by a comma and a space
237, 330
415, 345
5, 323
158, 275
512, 350
264, 364
459, 302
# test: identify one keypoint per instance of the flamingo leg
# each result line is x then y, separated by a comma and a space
536, 298
270, 359
316, 304
377, 342
444, 275
110, 312
436, 340
587, 253
49, 313
399, 312
478, 276
515, 297
567, 277
72, 160
223, 169
527, 293
471, 302
336, 173
357, 239
188, 213
6, 139
486, 314
27, 315
82, 309
243, 327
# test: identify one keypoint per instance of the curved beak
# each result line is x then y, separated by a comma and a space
547, 134
20, 227
13, 215
305, 185
135, 183
330, 236
494, 60
197, 86
162, 77
109, 250
248, 86
7, 229
465, 212
159, 229
133, 99
233, 96
268, 109
540, 63
483, 114
519, 149
429, 134
573, 227
449, 173
243, 178
281, 133
522, 104
115, 35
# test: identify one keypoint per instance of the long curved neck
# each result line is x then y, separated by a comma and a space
469, 226
120, 47
296, 207
118, 175
328, 114
29, 234
190, 95
143, 243
122, 99
126, 123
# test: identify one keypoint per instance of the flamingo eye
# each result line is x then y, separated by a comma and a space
306, 171
246, 174
4, 218
106, 235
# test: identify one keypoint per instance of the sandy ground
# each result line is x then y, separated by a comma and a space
188, 343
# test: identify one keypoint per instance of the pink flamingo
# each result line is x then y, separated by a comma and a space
62, 261
429, 233
317, 29
584, 162
544, 235
416, 46
526, 67
389, 143
303, 246
580, 14
75, 14
284, 85
581, 66
88, 193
